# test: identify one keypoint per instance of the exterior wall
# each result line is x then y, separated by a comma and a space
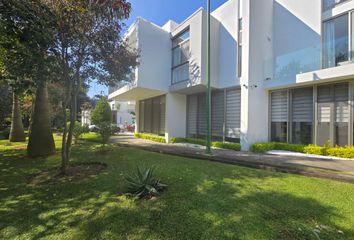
154, 70
257, 48
227, 14
86, 117
176, 105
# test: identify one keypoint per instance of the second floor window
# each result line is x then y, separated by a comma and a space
239, 47
328, 4
336, 46
180, 57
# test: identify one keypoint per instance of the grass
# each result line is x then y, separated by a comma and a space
204, 200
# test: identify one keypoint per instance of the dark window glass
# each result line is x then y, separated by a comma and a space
279, 132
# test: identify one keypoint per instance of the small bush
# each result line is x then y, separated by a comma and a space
225, 145
142, 184
317, 150
115, 129
105, 131
79, 130
150, 137
189, 140
265, 147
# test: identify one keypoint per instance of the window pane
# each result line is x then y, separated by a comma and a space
342, 114
279, 132
180, 73
180, 38
352, 36
336, 41
302, 115
328, 4
279, 116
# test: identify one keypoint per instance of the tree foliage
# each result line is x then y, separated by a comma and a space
88, 46
102, 112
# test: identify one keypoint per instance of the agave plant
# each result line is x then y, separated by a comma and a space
143, 184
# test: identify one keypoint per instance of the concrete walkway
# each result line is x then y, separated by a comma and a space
342, 170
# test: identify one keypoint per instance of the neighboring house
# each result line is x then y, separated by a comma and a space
281, 70
86, 117
123, 113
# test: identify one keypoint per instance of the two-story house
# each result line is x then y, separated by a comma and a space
281, 70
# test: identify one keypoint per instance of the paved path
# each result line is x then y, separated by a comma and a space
342, 170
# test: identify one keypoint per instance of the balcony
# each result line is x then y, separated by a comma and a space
329, 4
306, 65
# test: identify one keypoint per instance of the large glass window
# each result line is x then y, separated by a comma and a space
352, 35
336, 41
239, 54
328, 4
152, 115
180, 57
279, 116
333, 114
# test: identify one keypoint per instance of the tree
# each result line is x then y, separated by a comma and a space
102, 117
41, 142
26, 35
102, 112
88, 46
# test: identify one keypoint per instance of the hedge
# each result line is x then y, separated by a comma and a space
150, 137
265, 147
342, 152
224, 145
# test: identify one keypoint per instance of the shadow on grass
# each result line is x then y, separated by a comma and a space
204, 201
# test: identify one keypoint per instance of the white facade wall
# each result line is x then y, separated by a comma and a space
281, 42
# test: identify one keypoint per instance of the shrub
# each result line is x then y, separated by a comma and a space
102, 112
115, 129
265, 147
317, 150
225, 145
150, 137
143, 184
105, 130
343, 152
79, 130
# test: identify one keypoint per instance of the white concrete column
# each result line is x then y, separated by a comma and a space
257, 46
176, 110
137, 116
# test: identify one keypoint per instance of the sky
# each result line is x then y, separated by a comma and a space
159, 12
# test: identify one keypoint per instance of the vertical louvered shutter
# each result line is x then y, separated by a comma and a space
279, 106
233, 113
341, 101
302, 105
162, 114
141, 116
155, 115
217, 113
192, 108
201, 115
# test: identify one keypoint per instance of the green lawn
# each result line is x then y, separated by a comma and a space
205, 200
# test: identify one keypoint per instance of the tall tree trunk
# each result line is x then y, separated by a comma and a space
66, 150
41, 141
17, 134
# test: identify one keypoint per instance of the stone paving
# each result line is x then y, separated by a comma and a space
342, 170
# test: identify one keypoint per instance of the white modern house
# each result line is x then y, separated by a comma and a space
281, 70
123, 113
